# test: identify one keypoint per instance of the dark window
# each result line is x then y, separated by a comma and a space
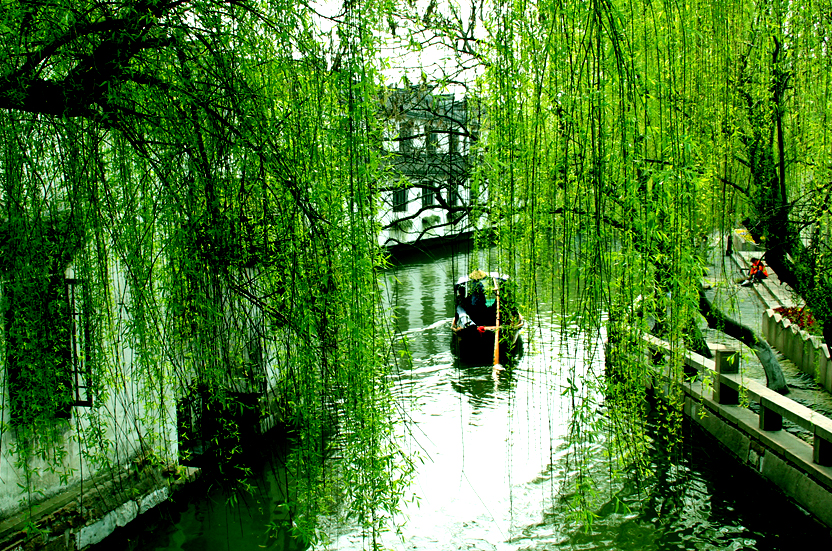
433, 140
453, 141
427, 197
453, 193
47, 348
80, 344
406, 137
400, 200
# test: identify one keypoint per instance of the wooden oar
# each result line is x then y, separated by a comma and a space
497, 325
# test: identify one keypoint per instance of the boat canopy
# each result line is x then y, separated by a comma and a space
488, 276
477, 295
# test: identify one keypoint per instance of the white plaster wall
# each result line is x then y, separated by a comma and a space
121, 415
394, 236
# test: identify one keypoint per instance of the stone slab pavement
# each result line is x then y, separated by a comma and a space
747, 305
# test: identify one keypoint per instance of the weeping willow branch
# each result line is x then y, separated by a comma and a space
190, 148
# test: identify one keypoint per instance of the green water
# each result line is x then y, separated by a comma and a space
494, 468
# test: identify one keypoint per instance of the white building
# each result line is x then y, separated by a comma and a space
430, 141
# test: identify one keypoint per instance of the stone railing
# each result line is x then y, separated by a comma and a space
718, 400
809, 353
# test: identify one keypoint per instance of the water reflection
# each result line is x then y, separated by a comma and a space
212, 520
495, 469
693, 498
498, 472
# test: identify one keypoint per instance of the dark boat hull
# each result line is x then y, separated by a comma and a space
476, 343
484, 309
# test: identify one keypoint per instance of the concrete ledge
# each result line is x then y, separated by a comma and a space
69, 523
97, 531
782, 458
733, 439
799, 486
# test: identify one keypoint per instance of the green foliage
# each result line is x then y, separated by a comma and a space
36, 347
208, 173
622, 139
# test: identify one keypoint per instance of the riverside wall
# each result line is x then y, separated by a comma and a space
801, 469
809, 353
86, 513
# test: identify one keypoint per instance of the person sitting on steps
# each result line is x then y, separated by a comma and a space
756, 273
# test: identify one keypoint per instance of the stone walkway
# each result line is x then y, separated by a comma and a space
771, 291
747, 305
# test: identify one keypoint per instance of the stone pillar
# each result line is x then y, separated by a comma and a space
776, 329
805, 364
783, 336
770, 419
824, 366
726, 361
822, 453
810, 359
768, 324
796, 347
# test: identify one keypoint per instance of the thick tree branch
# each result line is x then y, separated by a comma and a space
424, 231
88, 86
743, 190
718, 320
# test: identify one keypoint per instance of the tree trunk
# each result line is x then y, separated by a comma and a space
719, 321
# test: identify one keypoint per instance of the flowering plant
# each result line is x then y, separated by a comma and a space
802, 317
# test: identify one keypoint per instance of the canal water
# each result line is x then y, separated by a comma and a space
494, 468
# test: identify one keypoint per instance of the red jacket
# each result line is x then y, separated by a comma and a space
757, 269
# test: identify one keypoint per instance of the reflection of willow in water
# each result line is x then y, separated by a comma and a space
691, 496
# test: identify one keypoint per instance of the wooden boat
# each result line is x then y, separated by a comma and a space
486, 323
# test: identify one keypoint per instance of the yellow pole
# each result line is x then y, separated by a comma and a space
497, 325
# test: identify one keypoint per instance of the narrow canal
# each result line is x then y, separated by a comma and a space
493, 465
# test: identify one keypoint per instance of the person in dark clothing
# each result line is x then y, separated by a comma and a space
478, 309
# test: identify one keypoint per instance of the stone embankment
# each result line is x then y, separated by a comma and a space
747, 418
809, 353
87, 512
801, 470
